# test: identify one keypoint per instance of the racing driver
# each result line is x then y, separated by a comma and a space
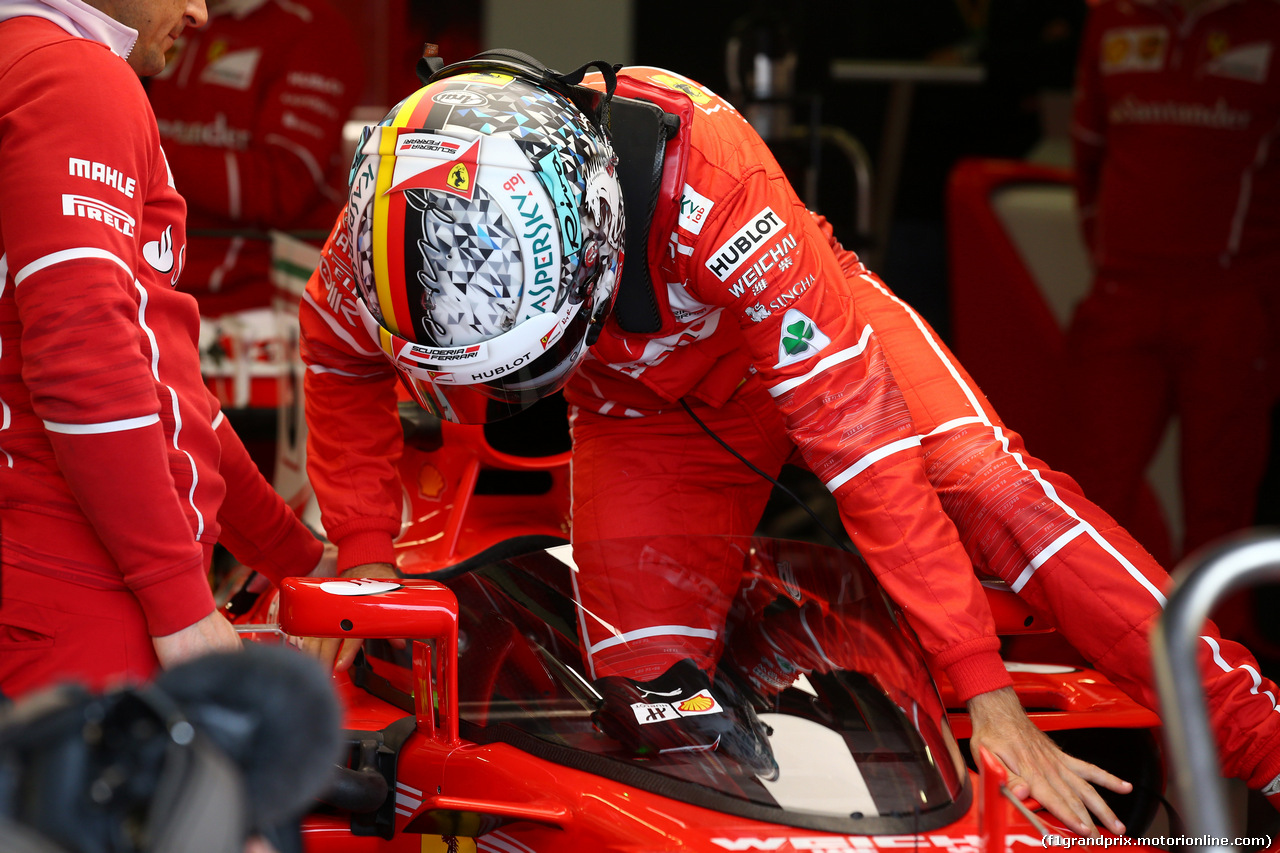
478, 261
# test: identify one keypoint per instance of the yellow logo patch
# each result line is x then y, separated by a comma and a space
460, 178
1134, 49
697, 95
697, 703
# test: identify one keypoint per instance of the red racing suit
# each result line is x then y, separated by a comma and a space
1179, 190
251, 109
114, 459
779, 340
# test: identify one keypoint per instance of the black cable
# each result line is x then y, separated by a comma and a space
745, 461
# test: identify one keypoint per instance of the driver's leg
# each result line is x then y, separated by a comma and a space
662, 475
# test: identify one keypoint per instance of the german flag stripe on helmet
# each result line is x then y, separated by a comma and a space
415, 109
388, 229
387, 343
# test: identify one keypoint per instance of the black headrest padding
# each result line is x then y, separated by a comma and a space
639, 130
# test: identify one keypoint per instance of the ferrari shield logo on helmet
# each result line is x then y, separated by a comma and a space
457, 177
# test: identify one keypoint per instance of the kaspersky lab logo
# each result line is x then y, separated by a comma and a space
800, 339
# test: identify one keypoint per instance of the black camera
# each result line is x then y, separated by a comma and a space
216, 750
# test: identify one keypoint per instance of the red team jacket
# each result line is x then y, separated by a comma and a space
250, 110
752, 286
1186, 110
114, 459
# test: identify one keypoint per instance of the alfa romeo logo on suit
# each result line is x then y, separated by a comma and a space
800, 338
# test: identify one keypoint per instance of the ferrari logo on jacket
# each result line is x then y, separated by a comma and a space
1248, 62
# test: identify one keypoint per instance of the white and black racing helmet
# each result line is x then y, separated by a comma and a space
485, 216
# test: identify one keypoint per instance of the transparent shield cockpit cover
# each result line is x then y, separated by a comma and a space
803, 659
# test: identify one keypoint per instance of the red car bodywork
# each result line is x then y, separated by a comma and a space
448, 792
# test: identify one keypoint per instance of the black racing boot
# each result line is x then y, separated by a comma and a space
682, 711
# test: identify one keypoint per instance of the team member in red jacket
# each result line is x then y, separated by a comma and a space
1177, 107
477, 261
251, 110
118, 473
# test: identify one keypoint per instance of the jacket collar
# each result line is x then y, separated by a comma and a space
77, 18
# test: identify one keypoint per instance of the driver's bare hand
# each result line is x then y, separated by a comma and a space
213, 633
1038, 768
338, 653
328, 565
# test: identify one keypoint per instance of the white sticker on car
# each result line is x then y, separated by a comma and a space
364, 586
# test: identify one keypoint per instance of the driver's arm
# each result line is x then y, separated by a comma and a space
354, 437
353, 431
828, 374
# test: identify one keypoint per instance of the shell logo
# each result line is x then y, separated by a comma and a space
697, 704
430, 481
